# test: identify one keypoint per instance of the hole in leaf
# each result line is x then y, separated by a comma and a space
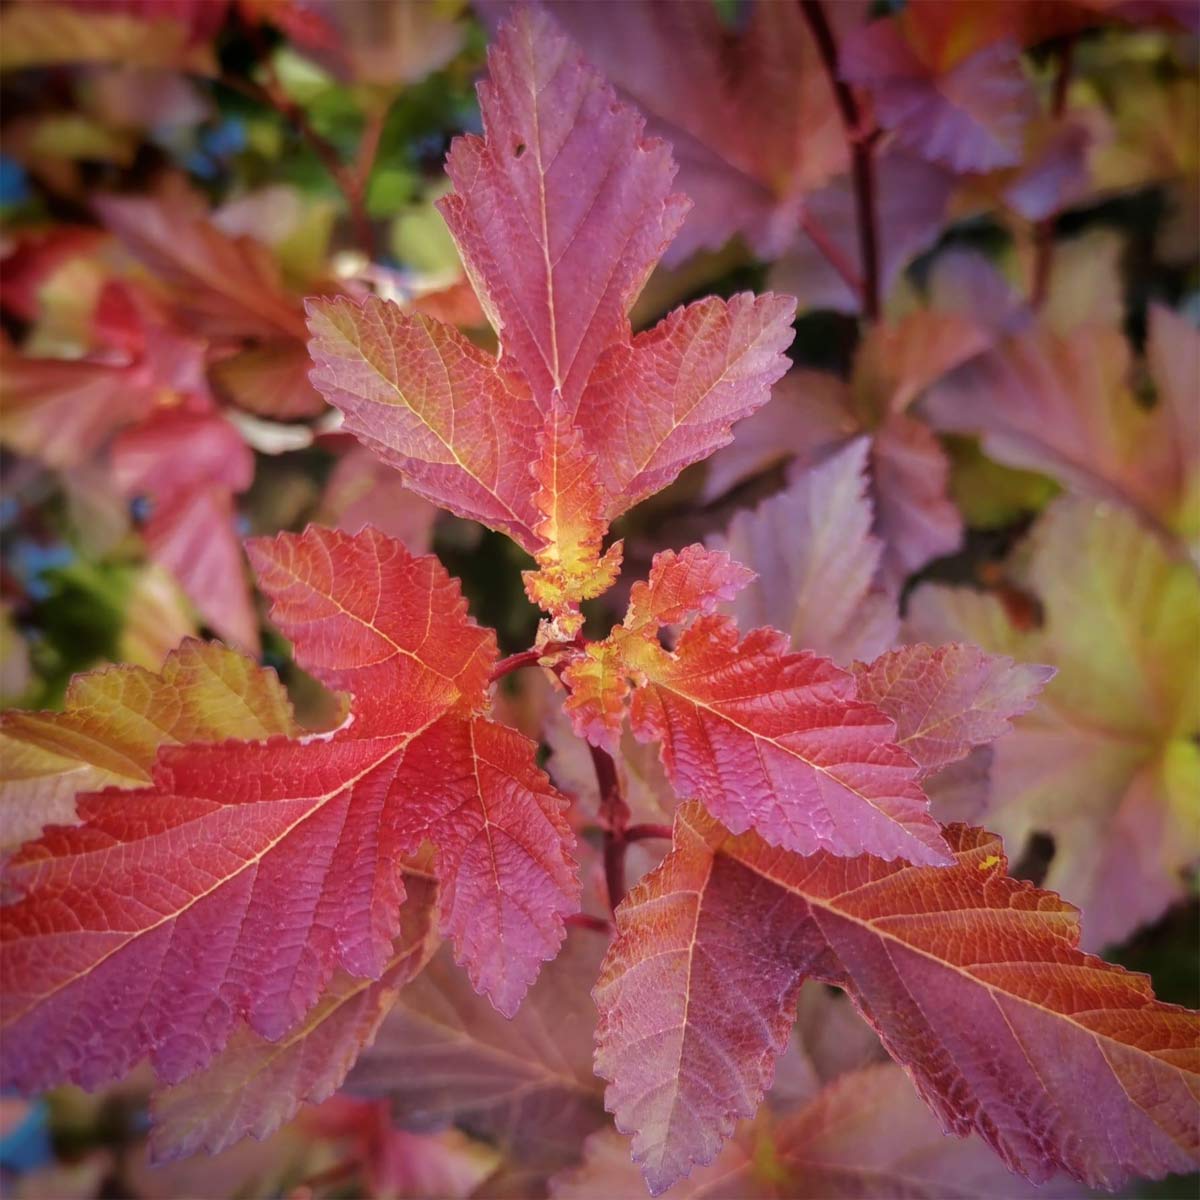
518, 149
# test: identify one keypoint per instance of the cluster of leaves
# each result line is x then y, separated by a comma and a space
945, 579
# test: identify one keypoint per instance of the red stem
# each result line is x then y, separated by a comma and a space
1043, 231
587, 921
526, 658
832, 252
614, 816
514, 662
862, 160
642, 833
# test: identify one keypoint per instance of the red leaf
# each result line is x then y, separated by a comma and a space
475, 791
680, 585
236, 885
778, 742
62, 411
229, 287
443, 1056
571, 567
768, 739
973, 981
669, 400
749, 113
361, 612
191, 464
947, 699
431, 404
254, 1086
560, 212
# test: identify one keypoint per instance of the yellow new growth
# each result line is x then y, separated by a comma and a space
571, 567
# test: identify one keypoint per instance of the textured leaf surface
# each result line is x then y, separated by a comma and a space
973, 981
238, 883
946, 700
431, 404
866, 1136
560, 211
115, 719
684, 583
254, 1086
444, 1055
778, 742
816, 561
571, 567
1106, 764
815, 413
669, 400
768, 739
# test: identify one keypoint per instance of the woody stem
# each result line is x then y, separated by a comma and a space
862, 158
614, 816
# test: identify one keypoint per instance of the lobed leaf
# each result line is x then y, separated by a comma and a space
973, 981
1107, 764
778, 742
682, 584
236, 884
1067, 408
254, 1086
956, 95
115, 719
749, 112
571, 567
430, 404
560, 211
444, 1056
816, 562
946, 700
669, 398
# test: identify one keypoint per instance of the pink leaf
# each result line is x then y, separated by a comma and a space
946, 700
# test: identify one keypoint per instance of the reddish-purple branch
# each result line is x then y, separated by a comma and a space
642, 833
587, 921
514, 662
862, 164
614, 816
526, 658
